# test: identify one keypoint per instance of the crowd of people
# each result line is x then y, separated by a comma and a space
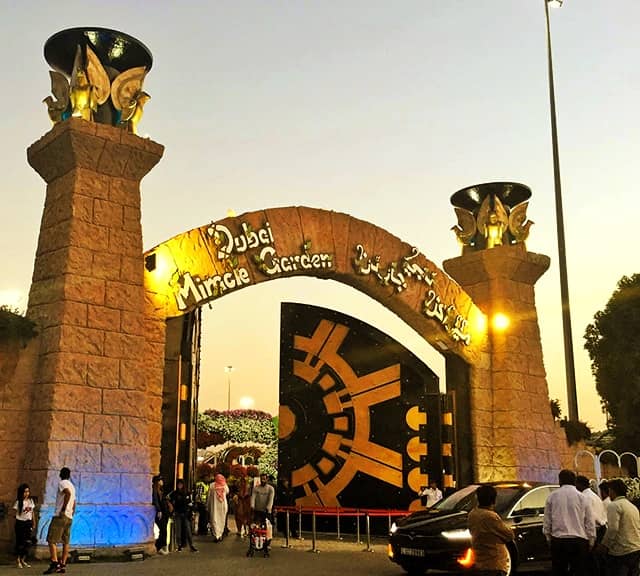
588, 534
208, 508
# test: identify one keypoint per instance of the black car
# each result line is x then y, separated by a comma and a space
438, 537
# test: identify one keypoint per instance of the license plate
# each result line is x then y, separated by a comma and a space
412, 552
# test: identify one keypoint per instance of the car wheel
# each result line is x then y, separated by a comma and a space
413, 569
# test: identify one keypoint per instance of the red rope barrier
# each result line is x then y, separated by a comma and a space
337, 511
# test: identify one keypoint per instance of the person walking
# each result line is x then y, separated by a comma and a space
25, 524
569, 527
218, 507
182, 509
60, 526
262, 497
489, 535
595, 566
163, 509
621, 541
242, 501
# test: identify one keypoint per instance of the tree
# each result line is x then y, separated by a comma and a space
14, 326
613, 343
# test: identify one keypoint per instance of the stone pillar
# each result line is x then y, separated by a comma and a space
95, 407
511, 407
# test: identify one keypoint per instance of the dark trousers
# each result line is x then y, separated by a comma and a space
597, 561
569, 556
23, 537
627, 565
182, 522
161, 542
203, 518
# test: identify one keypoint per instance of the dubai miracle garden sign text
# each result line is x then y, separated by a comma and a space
205, 263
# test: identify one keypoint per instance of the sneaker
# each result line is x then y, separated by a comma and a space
53, 567
194, 549
25, 564
61, 569
20, 563
163, 551
179, 549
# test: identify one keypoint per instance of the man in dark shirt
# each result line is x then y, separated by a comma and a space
489, 535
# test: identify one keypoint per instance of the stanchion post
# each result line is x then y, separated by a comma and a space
338, 521
286, 527
358, 541
313, 533
300, 523
368, 525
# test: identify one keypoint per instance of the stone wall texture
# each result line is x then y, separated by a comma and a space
87, 392
515, 436
94, 404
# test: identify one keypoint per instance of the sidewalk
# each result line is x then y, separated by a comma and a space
229, 558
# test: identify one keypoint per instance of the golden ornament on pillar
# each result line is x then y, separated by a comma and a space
98, 76
129, 98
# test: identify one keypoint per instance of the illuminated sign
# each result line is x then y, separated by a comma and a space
398, 273
205, 263
193, 289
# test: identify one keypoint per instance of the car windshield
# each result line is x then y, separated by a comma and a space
465, 500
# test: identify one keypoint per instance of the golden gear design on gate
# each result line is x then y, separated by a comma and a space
347, 399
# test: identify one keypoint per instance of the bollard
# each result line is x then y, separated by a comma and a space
338, 522
313, 533
300, 523
368, 548
358, 541
286, 534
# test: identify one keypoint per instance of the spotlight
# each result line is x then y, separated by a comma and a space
501, 322
82, 556
135, 554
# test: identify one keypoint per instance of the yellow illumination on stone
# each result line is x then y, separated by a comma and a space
500, 322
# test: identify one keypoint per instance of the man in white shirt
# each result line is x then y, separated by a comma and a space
569, 527
60, 527
598, 510
431, 494
622, 539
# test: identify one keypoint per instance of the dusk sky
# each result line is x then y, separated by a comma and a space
375, 108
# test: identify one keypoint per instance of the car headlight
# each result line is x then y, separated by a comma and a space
459, 534
393, 528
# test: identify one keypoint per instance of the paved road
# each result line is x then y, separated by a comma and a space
229, 558
345, 558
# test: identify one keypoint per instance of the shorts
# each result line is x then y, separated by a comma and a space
59, 530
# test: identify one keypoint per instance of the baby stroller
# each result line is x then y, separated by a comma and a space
260, 534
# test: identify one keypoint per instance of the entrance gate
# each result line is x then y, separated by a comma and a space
89, 389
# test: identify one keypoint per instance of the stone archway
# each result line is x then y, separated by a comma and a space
93, 377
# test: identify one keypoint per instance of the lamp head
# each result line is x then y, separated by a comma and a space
554, 3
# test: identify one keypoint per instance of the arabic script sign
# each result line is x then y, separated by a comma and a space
201, 265
398, 273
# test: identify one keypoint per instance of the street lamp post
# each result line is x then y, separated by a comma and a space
228, 370
572, 398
